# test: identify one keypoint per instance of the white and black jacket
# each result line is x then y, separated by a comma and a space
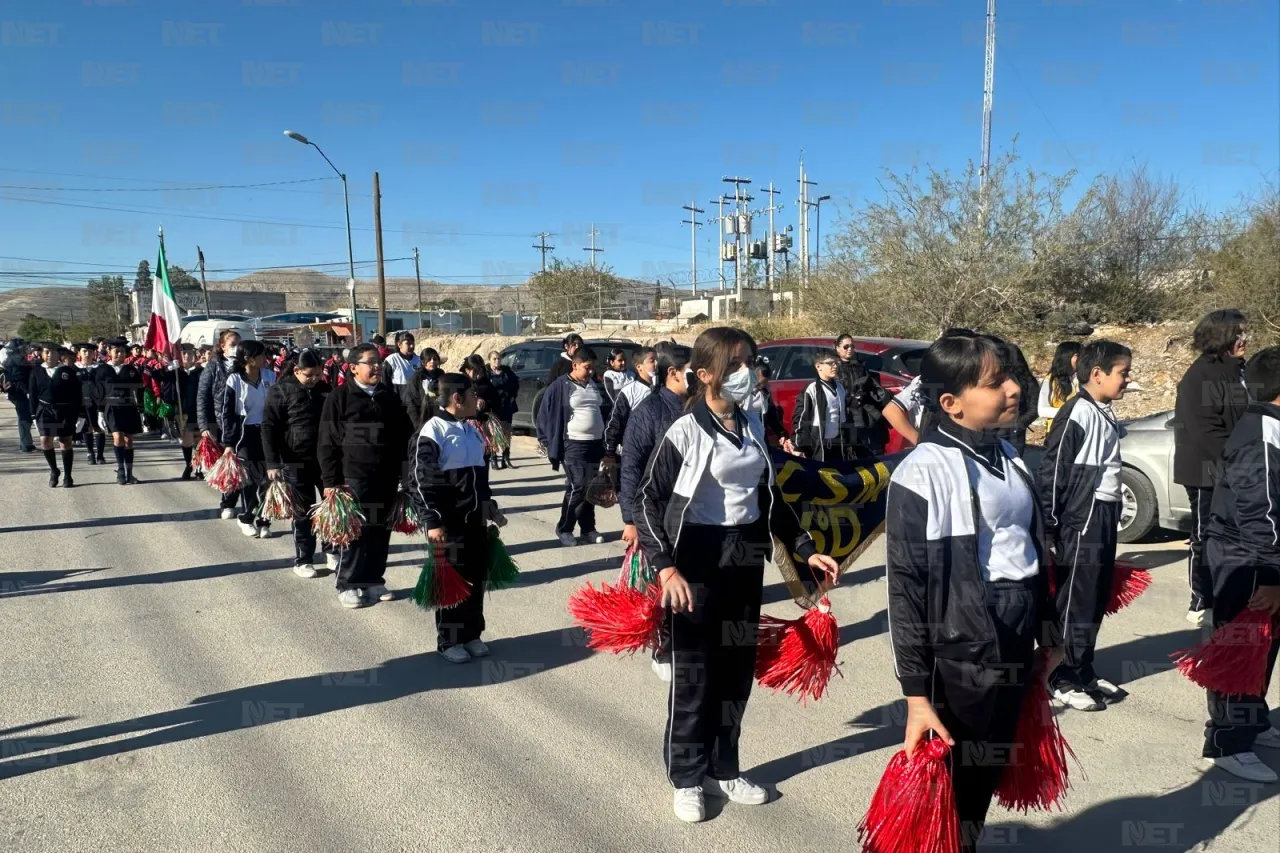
808, 421
625, 400
676, 468
449, 483
1074, 461
936, 583
1244, 518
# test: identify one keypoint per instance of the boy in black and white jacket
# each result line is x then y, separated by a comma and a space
1242, 549
818, 424
449, 487
1079, 482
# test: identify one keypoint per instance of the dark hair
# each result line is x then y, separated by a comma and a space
449, 384
302, 360
1216, 334
379, 340
248, 350
1061, 373
188, 349
640, 355
354, 354
428, 354
669, 356
583, 353
711, 352
475, 362
617, 352
958, 332
404, 337
824, 355
955, 363
571, 340
841, 338
1101, 354
1262, 375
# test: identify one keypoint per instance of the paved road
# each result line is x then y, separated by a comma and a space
171, 686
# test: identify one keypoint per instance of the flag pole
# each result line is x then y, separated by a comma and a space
175, 350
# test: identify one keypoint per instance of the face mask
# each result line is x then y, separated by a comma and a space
231, 352
737, 386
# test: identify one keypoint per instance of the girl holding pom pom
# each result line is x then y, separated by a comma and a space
968, 593
707, 506
240, 422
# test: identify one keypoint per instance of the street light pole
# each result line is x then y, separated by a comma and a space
417, 273
817, 255
346, 204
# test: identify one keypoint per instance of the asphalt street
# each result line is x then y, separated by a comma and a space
169, 685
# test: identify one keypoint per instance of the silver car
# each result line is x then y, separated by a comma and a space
1149, 497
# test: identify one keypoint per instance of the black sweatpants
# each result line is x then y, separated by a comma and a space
249, 451
980, 704
1235, 721
1199, 579
1085, 565
713, 649
363, 563
468, 550
304, 478
581, 461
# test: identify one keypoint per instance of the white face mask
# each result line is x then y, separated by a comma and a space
737, 386
231, 352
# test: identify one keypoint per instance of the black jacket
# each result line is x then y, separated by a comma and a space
646, 426
1244, 516
184, 384
85, 373
112, 389
212, 390
1211, 399
507, 384
362, 436
17, 376
937, 591
486, 394
449, 480
674, 471
809, 418
563, 364
420, 396
864, 403
56, 394
291, 422
625, 401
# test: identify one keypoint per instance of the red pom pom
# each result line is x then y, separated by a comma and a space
914, 807
403, 518
798, 656
227, 475
451, 588
618, 619
1128, 581
1234, 660
207, 454
1037, 778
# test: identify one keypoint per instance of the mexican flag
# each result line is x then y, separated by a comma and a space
165, 323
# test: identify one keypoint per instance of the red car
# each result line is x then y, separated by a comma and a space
894, 361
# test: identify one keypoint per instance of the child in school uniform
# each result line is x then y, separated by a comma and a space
571, 425
117, 386
1243, 554
55, 396
449, 487
240, 422
819, 422
968, 594
95, 440
1080, 495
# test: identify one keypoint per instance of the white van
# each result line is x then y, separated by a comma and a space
205, 332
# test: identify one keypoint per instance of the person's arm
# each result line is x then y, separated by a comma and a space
329, 441
898, 419
617, 425
1056, 464
907, 560
1252, 473
785, 524
1044, 408
424, 478
801, 417
206, 417
229, 420
274, 425
655, 492
639, 439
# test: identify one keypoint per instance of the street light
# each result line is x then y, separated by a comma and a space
346, 203
817, 259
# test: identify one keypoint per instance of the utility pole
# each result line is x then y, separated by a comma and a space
543, 247
988, 97
768, 264
720, 220
417, 273
741, 224
382, 274
693, 224
599, 292
203, 285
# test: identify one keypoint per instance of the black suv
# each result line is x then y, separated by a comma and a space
532, 361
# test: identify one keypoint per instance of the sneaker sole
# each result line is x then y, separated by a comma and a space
714, 790
1267, 780
691, 818
308, 575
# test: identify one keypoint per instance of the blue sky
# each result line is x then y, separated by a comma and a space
491, 121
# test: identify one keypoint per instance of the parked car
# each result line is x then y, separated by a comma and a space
532, 360
894, 361
1149, 497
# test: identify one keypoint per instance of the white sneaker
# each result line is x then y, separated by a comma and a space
1270, 739
660, 669
741, 791
476, 648
1197, 617
306, 570
1107, 689
690, 806
247, 529
380, 592
591, 537
264, 532
331, 562
455, 654
567, 540
1246, 765
228, 514
1078, 699
351, 599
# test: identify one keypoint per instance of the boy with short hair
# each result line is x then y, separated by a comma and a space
818, 424
1242, 550
56, 396
627, 396
571, 425
1079, 483
449, 487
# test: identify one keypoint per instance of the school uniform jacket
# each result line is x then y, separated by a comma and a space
291, 422
625, 400
1244, 516
808, 420
1072, 465
231, 420
212, 388
646, 426
676, 468
936, 586
363, 437
117, 389
449, 483
55, 396
555, 412
84, 372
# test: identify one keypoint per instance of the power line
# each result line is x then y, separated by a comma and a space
164, 189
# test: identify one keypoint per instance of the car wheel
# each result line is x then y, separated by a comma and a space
1138, 506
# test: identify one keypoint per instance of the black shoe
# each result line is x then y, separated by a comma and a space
120, 478
506, 463
101, 459
68, 483
131, 480
199, 475
53, 479
186, 473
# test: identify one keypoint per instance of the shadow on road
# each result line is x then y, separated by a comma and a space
1154, 559
116, 521
878, 728
1128, 662
512, 658
16, 584
500, 492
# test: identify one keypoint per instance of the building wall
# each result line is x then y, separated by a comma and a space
253, 304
